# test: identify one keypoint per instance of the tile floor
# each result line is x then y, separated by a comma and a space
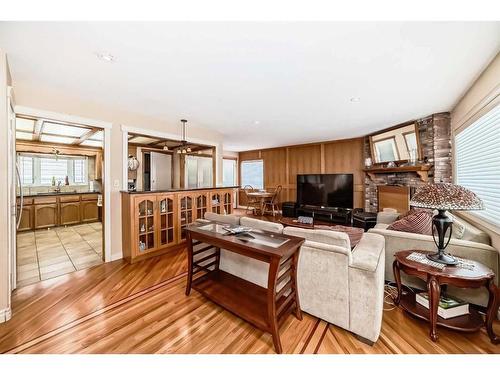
44, 254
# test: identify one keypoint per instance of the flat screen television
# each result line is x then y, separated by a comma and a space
325, 190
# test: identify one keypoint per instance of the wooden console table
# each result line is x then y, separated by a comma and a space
264, 308
480, 276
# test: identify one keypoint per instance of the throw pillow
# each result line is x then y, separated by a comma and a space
415, 221
458, 227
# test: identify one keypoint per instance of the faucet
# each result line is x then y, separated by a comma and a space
58, 188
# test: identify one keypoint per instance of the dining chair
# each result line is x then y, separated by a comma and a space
253, 203
272, 203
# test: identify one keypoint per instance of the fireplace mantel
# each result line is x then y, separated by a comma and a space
422, 170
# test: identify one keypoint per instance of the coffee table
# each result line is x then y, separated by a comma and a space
478, 277
354, 233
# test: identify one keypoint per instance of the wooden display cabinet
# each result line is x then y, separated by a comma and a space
144, 219
167, 215
153, 223
216, 205
227, 201
186, 213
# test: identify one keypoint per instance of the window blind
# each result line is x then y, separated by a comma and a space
477, 166
50, 167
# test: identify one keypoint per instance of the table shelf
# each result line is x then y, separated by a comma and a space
241, 297
464, 323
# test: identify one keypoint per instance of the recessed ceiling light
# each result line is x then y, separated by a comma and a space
256, 122
355, 99
105, 56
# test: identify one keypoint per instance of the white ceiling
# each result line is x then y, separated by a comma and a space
259, 84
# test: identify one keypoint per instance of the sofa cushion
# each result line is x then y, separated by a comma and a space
386, 217
261, 224
328, 237
226, 219
415, 221
470, 232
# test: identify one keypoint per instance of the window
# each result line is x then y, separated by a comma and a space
229, 172
39, 170
53, 168
198, 172
252, 173
477, 155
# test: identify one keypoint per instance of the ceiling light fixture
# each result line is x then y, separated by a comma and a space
355, 99
165, 148
184, 148
105, 56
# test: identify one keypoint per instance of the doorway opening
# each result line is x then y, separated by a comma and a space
59, 194
156, 164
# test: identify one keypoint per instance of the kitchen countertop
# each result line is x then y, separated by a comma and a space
61, 193
177, 190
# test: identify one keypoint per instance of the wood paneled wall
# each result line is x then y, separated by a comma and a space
283, 164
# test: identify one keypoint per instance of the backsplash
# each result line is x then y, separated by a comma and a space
435, 139
33, 190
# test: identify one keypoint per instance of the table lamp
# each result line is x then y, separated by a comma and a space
442, 197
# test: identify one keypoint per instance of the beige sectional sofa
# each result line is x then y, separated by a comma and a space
474, 244
341, 286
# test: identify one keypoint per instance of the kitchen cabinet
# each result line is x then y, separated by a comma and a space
69, 209
89, 211
53, 210
69, 213
46, 215
98, 166
27, 219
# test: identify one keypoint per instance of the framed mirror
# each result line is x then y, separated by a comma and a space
399, 144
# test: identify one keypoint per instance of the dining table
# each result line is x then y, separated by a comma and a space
261, 196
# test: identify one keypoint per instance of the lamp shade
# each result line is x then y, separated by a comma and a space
444, 196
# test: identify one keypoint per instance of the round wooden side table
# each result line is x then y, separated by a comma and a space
479, 276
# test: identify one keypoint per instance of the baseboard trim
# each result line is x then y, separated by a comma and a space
5, 315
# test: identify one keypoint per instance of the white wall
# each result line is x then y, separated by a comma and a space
4, 192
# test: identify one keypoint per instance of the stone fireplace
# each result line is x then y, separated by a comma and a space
434, 133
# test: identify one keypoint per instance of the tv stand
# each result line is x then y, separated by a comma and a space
330, 214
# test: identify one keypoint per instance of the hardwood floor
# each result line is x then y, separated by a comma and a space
141, 308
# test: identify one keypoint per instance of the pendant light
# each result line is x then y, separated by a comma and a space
184, 148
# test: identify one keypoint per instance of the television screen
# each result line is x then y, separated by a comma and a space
325, 190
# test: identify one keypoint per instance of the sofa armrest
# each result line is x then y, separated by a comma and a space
366, 255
